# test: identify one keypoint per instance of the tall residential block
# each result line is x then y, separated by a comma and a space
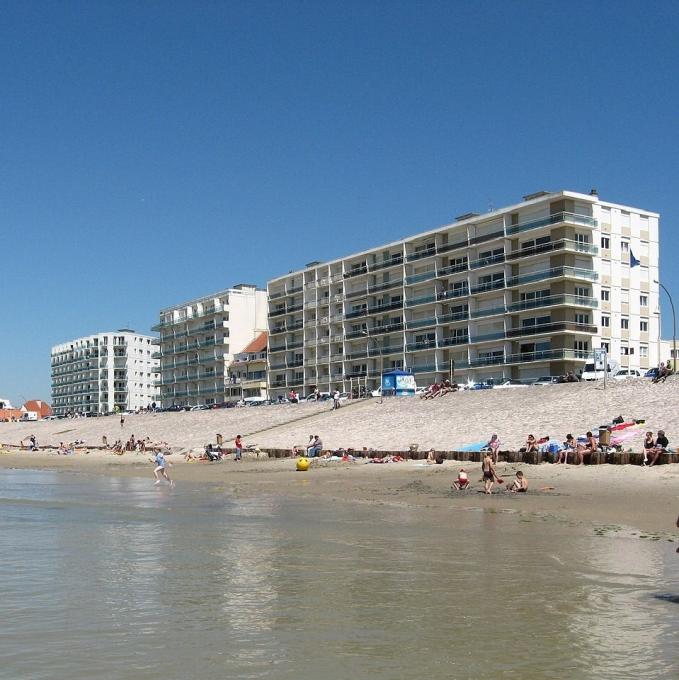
103, 373
522, 292
198, 340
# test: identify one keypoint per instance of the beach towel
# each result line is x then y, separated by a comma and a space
476, 446
624, 436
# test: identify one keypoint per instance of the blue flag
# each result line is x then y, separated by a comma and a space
633, 262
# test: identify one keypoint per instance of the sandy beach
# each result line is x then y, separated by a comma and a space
644, 499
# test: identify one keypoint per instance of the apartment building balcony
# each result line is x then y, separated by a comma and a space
553, 301
532, 331
487, 286
386, 328
385, 263
356, 271
526, 357
421, 254
557, 218
552, 273
419, 278
452, 269
487, 261
565, 245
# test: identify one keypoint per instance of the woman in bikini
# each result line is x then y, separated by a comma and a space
589, 447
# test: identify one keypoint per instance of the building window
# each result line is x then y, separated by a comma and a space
625, 247
605, 242
643, 300
581, 291
582, 238
643, 326
606, 321
643, 351
606, 347
624, 323
581, 346
582, 319
626, 351
605, 295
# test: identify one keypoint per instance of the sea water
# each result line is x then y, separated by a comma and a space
113, 578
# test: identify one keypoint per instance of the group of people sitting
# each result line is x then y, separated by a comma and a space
439, 389
664, 370
654, 447
132, 444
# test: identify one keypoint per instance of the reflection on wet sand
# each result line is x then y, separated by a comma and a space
136, 582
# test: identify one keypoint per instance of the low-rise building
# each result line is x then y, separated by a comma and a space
105, 372
198, 340
247, 373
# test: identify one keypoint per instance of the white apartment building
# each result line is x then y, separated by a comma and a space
521, 292
198, 340
105, 372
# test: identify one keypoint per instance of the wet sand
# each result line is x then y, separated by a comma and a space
643, 499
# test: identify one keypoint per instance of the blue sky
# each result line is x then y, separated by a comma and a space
151, 152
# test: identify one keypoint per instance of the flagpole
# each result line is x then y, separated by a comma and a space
674, 327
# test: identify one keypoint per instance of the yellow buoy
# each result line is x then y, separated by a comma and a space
303, 464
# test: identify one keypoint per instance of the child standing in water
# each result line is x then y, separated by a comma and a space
161, 468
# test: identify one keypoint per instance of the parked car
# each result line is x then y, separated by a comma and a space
324, 396
651, 373
173, 409
507, 384
546, 380
593, 372
625, 373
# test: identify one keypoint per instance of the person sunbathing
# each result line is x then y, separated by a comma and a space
520, 484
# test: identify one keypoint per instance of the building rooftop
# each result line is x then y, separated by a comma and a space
257, 345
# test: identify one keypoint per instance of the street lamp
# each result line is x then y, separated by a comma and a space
379, 351
674, 326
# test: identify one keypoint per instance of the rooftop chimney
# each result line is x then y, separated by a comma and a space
593, 192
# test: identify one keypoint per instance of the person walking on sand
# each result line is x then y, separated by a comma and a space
161, 468
239, 447
335, 400
489, 475
122, 419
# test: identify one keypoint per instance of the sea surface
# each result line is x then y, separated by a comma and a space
113, 578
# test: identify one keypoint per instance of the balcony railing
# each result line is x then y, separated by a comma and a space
387, 262
356, 271
487, 285
554, 272
551, 246
421, 254
387, 285
418, 278
551, 300
487, 261
556, 218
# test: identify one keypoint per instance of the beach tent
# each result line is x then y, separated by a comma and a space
399, 383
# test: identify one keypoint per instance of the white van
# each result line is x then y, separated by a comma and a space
595, 370
28, 416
